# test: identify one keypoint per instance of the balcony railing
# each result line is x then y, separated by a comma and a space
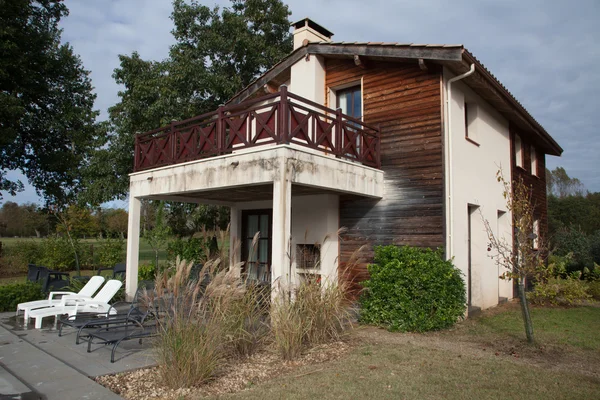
278, 118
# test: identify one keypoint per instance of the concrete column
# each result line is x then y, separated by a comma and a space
133, 246
330, 247
235, 227
282, 224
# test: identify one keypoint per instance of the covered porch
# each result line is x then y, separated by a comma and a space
279, 162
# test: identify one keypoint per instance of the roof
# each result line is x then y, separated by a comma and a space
455, 57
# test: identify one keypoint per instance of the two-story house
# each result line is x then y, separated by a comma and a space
397, 143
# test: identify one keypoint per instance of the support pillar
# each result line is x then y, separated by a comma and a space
234, 239
282, 228
133, 246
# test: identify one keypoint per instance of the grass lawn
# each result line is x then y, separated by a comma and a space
481, 358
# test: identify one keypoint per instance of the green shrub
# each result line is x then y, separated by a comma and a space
13, 294
58, 253
594, 242
559, 291
111, 251
412, 289
14, 258
194, 249
594, 289
573, 240
146, 272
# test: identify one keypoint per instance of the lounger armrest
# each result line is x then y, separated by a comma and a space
52, 294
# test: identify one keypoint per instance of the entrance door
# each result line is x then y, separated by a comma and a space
257, 256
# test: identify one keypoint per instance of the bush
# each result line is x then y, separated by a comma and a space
13, 294
146, 272
412, 289
573, 241
594, 241
559, 291
194, 249
14, 259
58, 253
111, 252
594, 289
315, 314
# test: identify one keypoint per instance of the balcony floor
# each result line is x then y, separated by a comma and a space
249, 176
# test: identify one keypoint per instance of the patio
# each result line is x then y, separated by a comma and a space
39, 362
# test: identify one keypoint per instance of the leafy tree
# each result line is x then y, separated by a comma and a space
519, 259
77, 221
560, 184
217, 52
46, 101
117, 221
158, 236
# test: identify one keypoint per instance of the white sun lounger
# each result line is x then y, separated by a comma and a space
72, 305
86, 292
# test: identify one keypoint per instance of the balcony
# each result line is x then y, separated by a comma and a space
274, 119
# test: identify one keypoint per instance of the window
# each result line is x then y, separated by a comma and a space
534, 166
308, 256
518, 151
536, 233
471, 112
350, 101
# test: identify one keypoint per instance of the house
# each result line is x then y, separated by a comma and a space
397, 143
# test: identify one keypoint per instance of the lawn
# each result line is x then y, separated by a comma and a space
482, 358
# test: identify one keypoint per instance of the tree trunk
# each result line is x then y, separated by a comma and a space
525, 310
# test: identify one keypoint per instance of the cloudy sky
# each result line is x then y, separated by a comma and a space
546, 52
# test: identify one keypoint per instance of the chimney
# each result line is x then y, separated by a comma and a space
307, 29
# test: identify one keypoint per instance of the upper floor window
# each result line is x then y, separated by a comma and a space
350, 101
534, 163
470, 110
536, 233
518, 151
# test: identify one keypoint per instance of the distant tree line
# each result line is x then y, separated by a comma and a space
31, 220
573, 219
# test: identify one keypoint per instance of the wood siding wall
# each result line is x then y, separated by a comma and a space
405, 102
537, 183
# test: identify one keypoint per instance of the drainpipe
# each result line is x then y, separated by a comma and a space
448, 141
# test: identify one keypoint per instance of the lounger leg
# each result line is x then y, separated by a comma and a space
89, 349
38, 322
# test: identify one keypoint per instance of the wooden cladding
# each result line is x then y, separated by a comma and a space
280, 118
405, 101
526, 172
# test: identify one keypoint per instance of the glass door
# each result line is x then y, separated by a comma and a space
257, 255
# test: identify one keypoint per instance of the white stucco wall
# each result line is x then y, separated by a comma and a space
473, 182
307, 78
315, 220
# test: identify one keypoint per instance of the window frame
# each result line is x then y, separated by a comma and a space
534, 161
518, 150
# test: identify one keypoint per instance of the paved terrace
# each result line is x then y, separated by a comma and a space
37, 364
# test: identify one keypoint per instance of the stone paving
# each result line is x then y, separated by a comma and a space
37, 364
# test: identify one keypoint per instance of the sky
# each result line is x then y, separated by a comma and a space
547, 53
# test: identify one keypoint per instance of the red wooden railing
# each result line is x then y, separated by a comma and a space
278, 118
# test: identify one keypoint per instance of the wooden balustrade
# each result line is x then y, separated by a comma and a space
278, 118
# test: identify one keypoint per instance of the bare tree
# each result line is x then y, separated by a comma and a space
522, 257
